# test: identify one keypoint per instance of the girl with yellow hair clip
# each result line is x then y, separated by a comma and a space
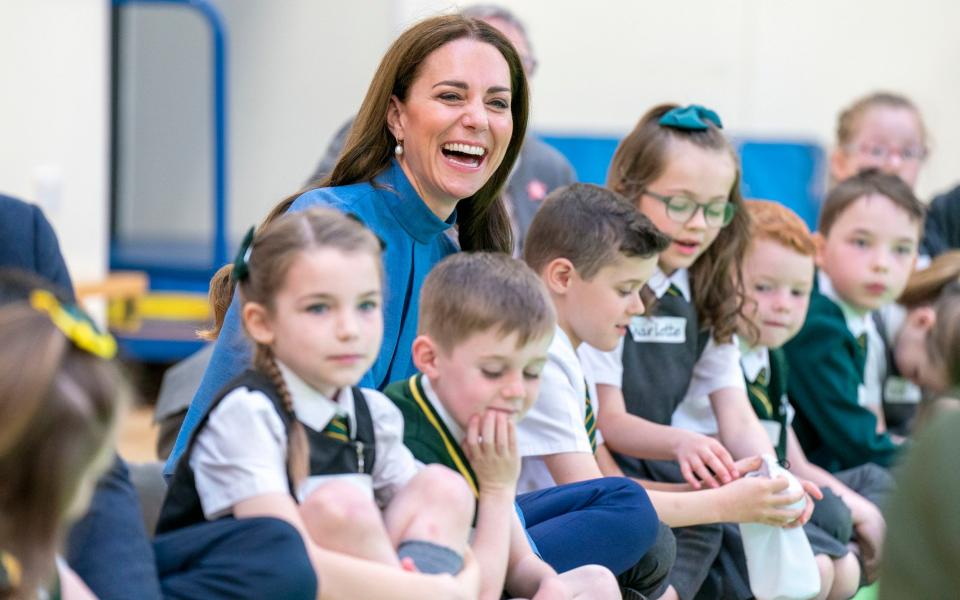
59, 403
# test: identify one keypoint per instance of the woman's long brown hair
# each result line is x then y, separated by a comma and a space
482, 219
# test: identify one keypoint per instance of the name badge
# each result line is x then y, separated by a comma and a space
897, 390
665, 330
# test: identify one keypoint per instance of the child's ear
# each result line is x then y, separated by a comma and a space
558, 274
256, 319
839, 167
425, 356
819, 245
394, 120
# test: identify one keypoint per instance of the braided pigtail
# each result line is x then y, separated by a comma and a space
297, 448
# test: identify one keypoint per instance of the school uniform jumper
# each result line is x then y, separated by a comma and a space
415, 241
667, 366
826, 387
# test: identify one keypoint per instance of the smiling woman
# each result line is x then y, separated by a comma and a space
433, 144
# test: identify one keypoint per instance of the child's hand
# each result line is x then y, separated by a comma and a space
760, 500
870, 527
491, 446
748, 465
811, 491
701, 458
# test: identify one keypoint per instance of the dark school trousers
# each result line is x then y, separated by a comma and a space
608, 521
710, 562
109, 548
253, 558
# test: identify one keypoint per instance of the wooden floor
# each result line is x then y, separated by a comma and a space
137, 437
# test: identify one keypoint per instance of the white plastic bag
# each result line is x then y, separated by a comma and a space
779, 561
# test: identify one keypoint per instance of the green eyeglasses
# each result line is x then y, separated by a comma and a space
681, 209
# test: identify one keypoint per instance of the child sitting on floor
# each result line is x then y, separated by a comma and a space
485, 325
294, 443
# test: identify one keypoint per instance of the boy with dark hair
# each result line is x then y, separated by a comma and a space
595, 252
866, 247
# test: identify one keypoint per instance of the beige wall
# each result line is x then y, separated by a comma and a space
300, 67
53, 120
770, 67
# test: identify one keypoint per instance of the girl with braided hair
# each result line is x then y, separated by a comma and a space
294, 439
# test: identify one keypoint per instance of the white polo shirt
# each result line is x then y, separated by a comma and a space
555, 423
242, 451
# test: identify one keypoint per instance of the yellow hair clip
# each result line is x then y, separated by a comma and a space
75, 325
11, 566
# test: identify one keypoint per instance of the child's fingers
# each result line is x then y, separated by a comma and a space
807, 511
687, 473
748, 465
775, 485
782, 517
703, 472
512, 437
502, 440
727, 461
719, 469
812, 489
781, 499
489, 432
473, 432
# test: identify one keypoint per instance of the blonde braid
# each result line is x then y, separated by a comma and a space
297, 448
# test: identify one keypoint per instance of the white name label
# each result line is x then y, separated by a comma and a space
897, 390
666, 330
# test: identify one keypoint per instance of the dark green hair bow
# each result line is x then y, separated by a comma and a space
691, 118
241, 264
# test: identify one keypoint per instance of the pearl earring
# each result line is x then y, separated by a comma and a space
398, 150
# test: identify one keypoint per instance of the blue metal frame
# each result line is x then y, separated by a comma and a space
191, 278
219, 35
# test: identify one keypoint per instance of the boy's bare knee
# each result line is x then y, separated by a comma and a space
846, 577
445, 487
600, 579
591, 581
825, 567
338, 502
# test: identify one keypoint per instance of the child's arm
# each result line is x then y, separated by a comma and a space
497, 466
699, 456
735, 502
739, 427
343, 576
570, 467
